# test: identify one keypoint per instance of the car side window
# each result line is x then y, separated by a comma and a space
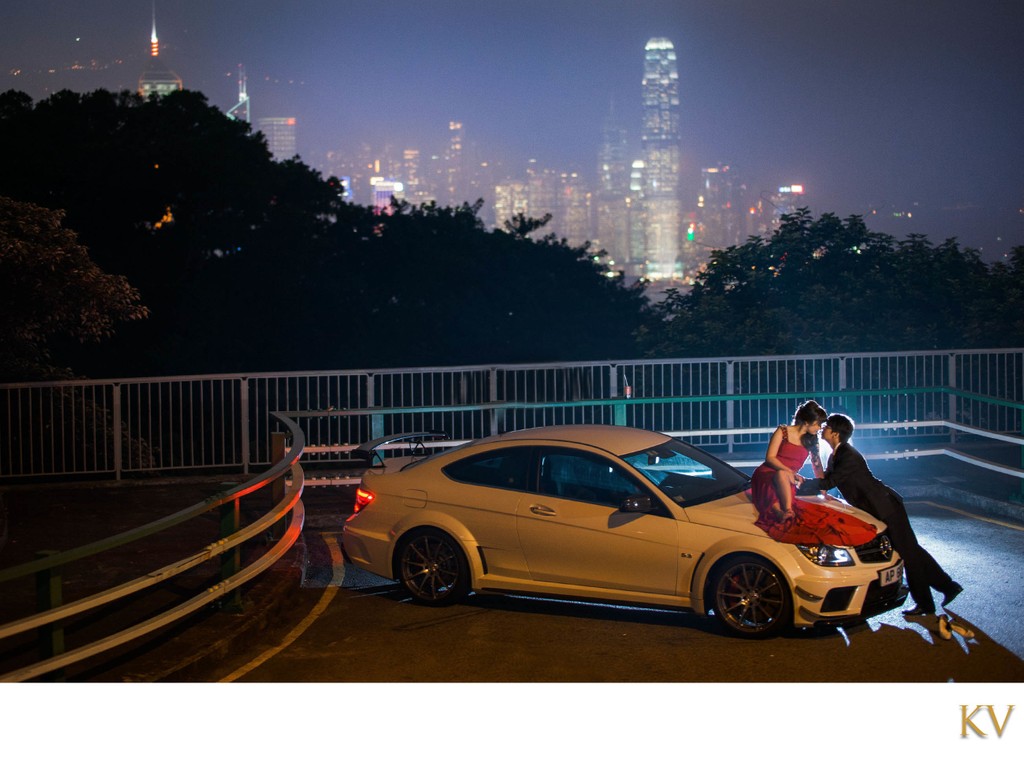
498, 469
585, 477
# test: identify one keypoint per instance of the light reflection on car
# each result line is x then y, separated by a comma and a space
611, 514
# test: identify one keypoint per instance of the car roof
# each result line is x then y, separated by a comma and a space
616, 439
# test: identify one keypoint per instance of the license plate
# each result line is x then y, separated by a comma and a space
891, 575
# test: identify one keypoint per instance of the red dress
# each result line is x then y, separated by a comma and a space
812, 523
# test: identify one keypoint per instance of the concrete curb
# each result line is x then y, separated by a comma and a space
987, 505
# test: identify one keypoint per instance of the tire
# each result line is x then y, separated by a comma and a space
433, 568
750, 597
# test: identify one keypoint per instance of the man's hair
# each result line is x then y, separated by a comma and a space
842, 425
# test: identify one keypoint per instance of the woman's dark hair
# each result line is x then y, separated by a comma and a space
809, 441
808, 413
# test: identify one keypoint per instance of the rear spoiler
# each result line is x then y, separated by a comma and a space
367, 452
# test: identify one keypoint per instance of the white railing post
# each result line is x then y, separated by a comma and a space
954, 406
492, 397
376, 420
243, 400
730, 405
116, 432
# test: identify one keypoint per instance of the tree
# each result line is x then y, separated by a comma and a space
431, 286
248, 264
160, 191
50, 289
830, 285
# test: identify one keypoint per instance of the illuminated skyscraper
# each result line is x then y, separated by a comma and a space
542, 190
660, 138
510, 200
157, 79
241, 109
573, 220
454, 165
722, 208
417, 190
636, 267
383, 191
612, 192
771, 208
280, 134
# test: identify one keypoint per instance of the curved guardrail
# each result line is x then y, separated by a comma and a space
289, 505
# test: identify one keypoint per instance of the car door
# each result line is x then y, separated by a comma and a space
572, 530
483, 493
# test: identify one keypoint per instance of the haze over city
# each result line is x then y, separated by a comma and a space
875, 107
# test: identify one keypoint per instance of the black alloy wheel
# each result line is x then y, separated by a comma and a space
751, 598
433, 568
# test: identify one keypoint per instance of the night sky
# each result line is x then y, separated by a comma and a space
889, 104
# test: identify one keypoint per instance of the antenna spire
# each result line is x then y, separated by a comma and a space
154, 43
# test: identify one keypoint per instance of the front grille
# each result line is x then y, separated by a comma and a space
881, 598
878, 549
838, 599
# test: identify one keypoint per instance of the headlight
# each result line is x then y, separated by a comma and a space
827, 556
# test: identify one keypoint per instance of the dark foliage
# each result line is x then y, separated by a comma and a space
829, 285
50, 290
247, 264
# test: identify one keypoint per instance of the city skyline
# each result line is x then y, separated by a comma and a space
867, 105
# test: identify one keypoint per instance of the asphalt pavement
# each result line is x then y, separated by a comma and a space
58, 517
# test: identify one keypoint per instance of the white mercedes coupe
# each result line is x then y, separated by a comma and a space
611, 514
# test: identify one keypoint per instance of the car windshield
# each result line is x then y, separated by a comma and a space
686, 474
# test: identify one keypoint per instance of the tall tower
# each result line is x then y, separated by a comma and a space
157, 79
660, 139
454, 165
241, 109
637, 265
612, 192
574, 208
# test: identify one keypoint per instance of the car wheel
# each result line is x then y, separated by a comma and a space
433, 568
750, 597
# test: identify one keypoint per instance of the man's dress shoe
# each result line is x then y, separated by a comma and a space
953, 593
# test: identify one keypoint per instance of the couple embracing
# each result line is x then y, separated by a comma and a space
789, 519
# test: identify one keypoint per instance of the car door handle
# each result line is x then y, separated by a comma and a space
539, 510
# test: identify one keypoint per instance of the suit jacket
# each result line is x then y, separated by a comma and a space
848, 471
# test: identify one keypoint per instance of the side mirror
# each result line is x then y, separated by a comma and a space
637, 503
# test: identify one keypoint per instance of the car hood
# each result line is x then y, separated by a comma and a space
734, 512
737, 512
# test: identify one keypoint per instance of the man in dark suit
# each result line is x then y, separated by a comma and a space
848, 471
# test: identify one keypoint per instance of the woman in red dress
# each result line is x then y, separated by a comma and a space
781, 514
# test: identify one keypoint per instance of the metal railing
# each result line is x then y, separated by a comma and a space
282, 523
116, 428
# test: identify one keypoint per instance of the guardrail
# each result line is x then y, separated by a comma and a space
217, 423
283, 523
750, 455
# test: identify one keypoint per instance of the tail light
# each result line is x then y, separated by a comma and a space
364, 497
